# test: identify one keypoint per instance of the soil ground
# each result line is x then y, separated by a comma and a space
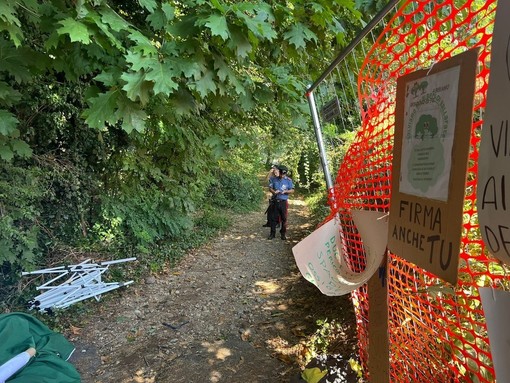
235, 310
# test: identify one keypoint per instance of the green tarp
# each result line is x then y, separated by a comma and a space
18, 332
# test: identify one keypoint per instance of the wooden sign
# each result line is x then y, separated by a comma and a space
493, 170
433, 120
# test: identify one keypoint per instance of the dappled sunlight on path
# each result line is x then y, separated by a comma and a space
234, 310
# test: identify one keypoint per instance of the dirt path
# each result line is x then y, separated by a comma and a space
235, 310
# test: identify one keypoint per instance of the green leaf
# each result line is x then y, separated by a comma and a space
169, 11
14, 61
162, 75
206, 84
8, 13
190, 69
8, 123
109, 76
239, 87
263, 94
298, 35
133, 118
239, 42
218, 26
115, 22
216, 145
102, 110
149, 5
136, 87
185, 27
139, 61
21, 148
223, 70
6, 152
143, 44
157, 19
77, 31
219, 6
81, 9
313, 375
96, 18
14, 31
183, 102
246, 101
258, 25
8, 95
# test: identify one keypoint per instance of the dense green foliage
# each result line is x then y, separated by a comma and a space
133, 127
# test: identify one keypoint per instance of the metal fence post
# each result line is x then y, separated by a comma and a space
320, 141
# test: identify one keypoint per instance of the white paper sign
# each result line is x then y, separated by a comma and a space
493, 170
429, 123
321, 261
496, 306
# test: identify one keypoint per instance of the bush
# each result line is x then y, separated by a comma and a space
20, 194
318, 206
235, 191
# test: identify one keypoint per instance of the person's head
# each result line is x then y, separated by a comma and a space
283, 170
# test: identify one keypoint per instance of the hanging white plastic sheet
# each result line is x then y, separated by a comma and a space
496, 306
493, 170
321, 260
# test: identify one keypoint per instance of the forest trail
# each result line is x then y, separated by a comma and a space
235, 310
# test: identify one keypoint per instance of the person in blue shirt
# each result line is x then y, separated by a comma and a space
280, 187
273, 174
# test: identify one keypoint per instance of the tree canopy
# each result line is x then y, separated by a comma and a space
118, 118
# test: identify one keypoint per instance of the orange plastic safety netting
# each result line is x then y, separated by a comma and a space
437, 332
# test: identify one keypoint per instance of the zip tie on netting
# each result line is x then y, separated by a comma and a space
82, 281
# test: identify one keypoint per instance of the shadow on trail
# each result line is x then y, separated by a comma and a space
236, 310
304, 319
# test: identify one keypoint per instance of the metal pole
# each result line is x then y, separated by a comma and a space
320, 142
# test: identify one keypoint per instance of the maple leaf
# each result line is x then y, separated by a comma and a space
298, 35
14, 31
205, 84
96, 18
116, 23
239, 87
218, 26
157, 19
169, 11
189, 69
139, 61
182, 102
8, 95
216, 145
150, 5
109, 76
239, 42
6, 154
136, 87
8, 123
222, 68
143, 44
246, 101
258, 25
21, 148
14, 61
161, 74
77, 31
133, 118
101, 110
